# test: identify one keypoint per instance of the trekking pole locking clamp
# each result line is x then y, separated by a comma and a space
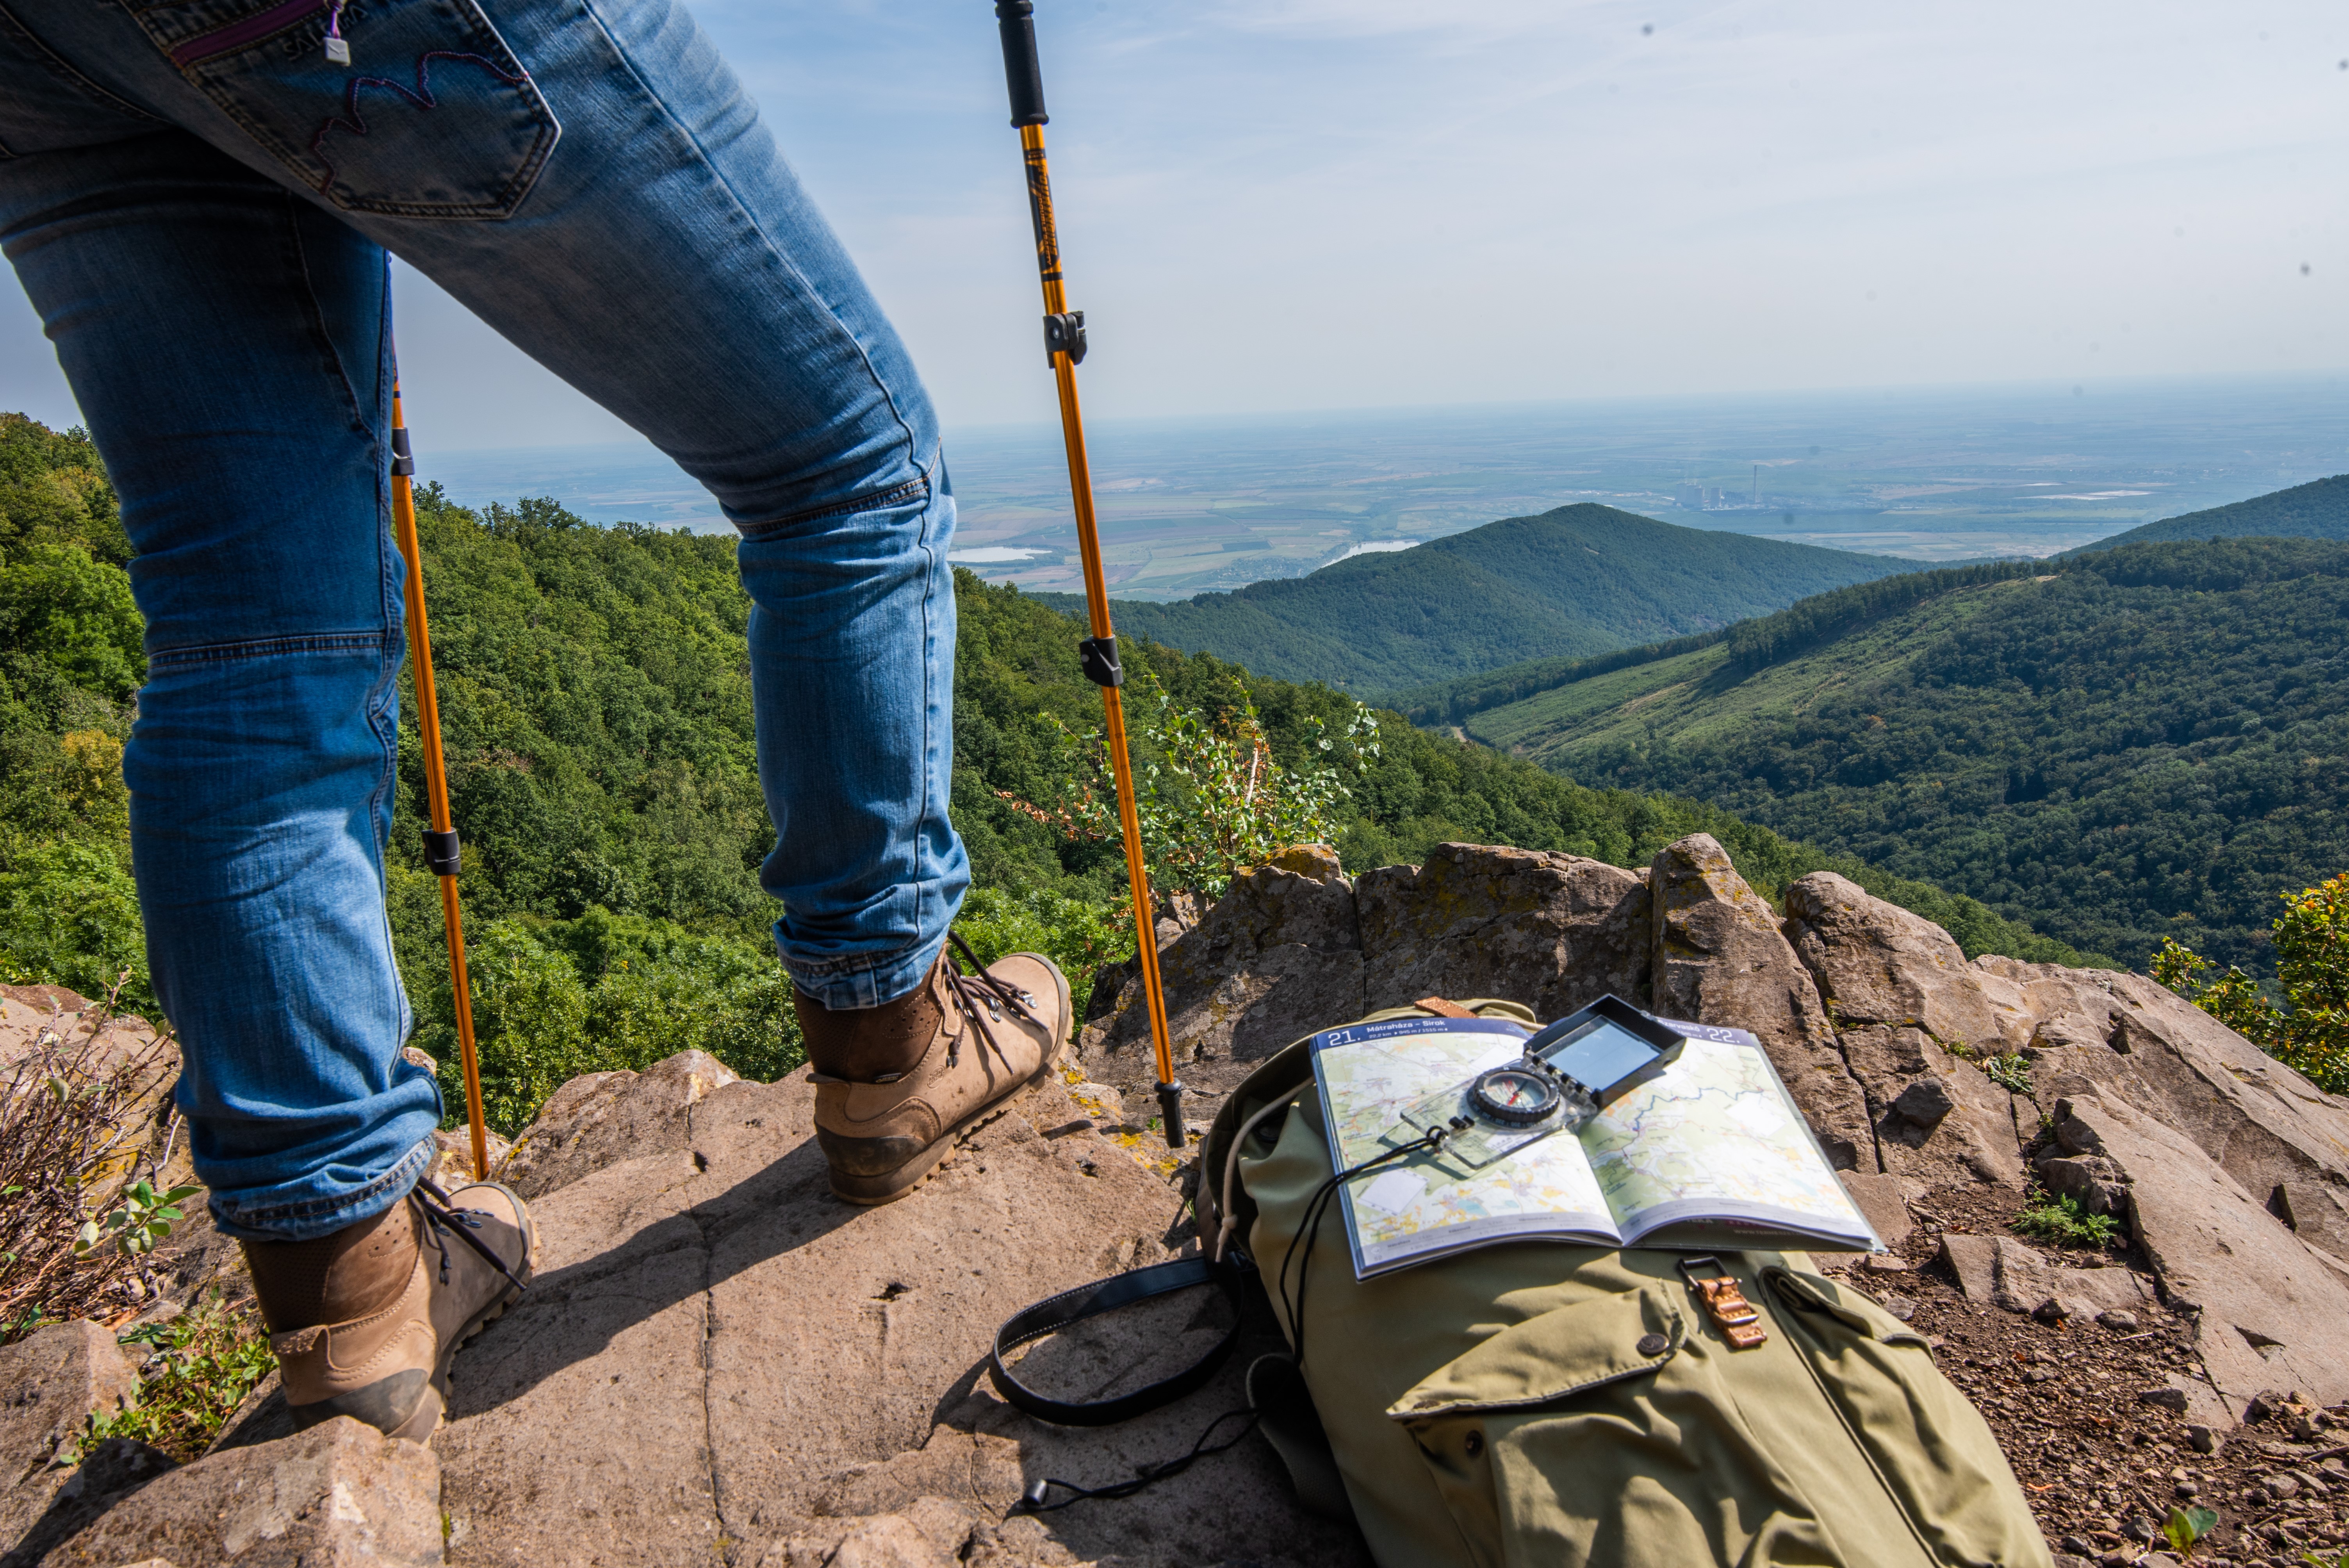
1065, 333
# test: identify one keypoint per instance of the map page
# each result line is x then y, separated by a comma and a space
1713, 1152
1422, 1207
1710, 1152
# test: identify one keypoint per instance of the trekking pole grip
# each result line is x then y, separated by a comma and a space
1021, 70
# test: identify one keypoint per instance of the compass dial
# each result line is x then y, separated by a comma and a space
1513, 1096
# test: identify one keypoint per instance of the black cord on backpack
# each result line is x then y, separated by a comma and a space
1309, 1230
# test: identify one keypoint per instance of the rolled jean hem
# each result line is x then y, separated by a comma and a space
307, 1219
839, 987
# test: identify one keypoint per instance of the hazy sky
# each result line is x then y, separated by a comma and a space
1282, 204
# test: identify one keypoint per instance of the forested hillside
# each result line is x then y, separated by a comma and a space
594, 695
2140, 742
2319, 510
1577, 581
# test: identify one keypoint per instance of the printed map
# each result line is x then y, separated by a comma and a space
1715, 1128
1402, 1209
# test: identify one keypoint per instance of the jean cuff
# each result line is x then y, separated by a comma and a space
855, 984
307, 1219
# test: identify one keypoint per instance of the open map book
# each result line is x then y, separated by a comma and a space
1711, 1153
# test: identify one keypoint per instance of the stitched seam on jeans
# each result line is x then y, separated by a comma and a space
859, 965
354, 122
418, 1158
781, 259
58, 67
903, 493
271, 648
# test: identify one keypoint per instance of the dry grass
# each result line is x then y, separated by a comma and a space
77, 1129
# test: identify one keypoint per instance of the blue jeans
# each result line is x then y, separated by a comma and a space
199, 203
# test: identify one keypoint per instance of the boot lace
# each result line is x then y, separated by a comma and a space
980, 995
443, 1219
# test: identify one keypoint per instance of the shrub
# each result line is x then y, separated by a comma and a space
2311, 1033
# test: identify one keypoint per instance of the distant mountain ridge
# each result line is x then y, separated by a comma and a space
2141, 742
2318, 509
1577, 581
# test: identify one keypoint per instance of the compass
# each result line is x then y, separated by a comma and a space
1513, 1096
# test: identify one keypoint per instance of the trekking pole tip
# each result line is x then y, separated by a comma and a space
1021, 70
1170, 1109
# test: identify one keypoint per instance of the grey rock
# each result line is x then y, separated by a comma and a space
1881, 1198
600, 1119
2135, 1043
1720, 959
1552, 932
1925, 1103
110, 1472
1973, 1141
2201, 1439
340, 1493
2026, 1279
728, 1351
2120, 1320
1276, 958
2262, 1304
2090, 1181
2170, 1399
1974, 1261
2046, 1006
2318, 1213
1876, 962
51, 1382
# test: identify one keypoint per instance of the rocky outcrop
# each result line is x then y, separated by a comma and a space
733, 1355
1295, 946
2269, 1312
1278, 955
1720, 958
338, 1493
51, 1383
599, 1118
1878, 965
1907, 1004
1552, 930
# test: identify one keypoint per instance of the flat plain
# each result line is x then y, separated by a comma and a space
1194, 506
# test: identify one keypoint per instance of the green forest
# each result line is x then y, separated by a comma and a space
2136, 745
2318, 509
1573, 582
595, 693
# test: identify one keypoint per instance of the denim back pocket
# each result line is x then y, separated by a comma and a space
433, 117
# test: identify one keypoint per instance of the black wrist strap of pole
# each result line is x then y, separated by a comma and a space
403, 463
1056, 1313
441, 853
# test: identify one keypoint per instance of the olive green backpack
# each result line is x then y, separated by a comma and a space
1540, 1404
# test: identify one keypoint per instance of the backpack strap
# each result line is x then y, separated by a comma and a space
1055, 1313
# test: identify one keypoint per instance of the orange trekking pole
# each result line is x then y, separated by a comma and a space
1064, 348
440, 851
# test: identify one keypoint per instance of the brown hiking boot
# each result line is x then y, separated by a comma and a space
366, 1321
895, 1084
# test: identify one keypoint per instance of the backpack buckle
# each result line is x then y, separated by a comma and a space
1725, 1304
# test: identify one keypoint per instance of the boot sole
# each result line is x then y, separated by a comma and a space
871, 1191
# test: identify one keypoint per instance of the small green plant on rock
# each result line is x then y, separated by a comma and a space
2011, 1072
201, 1365
2064, 1223
2185, 1526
